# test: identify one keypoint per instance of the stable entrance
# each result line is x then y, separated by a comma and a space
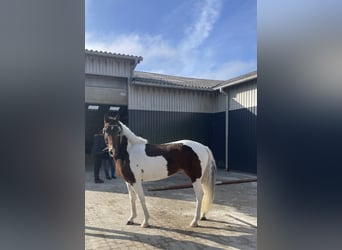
94, 114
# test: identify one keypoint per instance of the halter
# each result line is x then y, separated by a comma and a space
112, 128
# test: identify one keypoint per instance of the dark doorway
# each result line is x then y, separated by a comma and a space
94, 114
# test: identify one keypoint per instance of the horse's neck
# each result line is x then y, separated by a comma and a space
127, 140
122, 150
131, 137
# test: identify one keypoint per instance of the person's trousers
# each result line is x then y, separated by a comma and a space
109, 165
97, 166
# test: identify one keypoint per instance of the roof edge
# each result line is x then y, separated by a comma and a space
178, 76
237, 80
137, 82
137, 59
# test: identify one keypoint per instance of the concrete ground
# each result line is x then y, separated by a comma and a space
231, 224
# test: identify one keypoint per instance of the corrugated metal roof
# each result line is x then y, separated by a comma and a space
110, 54
145, 78
236, 80
154, 79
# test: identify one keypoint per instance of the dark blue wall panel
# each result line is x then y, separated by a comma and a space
242, 143
209, 129
218, 138
161, 127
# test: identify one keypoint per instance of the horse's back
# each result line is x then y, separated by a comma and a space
199, 149
190, 143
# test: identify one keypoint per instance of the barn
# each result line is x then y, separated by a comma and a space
162, 108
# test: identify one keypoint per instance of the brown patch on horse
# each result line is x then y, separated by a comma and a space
122, 163
124, 171
179, 157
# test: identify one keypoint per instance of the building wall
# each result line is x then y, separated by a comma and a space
106, 83
170, 99
244, 96
218, 126
167, 114
106, 79
107, 66
242, 140
106, 90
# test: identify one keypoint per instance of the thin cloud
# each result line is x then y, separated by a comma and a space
196, 33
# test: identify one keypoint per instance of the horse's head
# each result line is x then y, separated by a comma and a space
112, 132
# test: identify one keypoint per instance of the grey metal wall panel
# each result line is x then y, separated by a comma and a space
105, 82
220, 102
243, 96
170, 99
106, 90
101, 65
106, 96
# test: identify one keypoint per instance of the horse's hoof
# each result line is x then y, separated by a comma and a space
203, 218
194, 224
144, 225
130, 223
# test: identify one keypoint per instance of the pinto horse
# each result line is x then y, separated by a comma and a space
136, 161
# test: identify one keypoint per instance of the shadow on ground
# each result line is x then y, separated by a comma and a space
161, 241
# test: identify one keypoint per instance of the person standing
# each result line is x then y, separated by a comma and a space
98, 154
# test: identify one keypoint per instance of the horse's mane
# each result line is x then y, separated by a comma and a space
134, 139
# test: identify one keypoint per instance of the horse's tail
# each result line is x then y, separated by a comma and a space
208, 183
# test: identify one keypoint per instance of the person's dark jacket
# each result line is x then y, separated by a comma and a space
98, 146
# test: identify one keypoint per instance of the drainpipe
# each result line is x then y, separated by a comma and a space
227, 124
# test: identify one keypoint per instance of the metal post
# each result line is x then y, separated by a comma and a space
227, 125
227, 129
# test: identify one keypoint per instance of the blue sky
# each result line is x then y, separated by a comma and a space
214, 39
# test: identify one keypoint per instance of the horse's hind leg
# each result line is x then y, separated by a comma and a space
132, 198
199, 195
140, 192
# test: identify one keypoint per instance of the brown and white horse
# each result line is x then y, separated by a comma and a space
136, 161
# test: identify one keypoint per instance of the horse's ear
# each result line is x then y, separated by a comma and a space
117, 117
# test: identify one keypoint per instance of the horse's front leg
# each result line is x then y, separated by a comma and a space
140, 192
132, 198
